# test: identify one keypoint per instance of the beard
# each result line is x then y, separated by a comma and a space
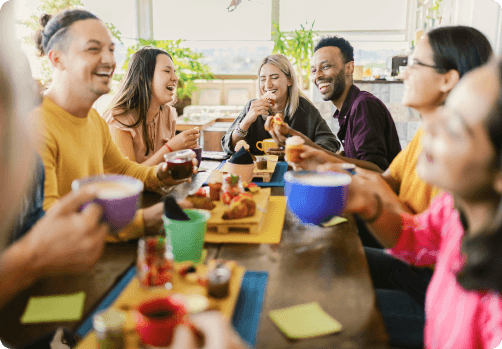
338, 87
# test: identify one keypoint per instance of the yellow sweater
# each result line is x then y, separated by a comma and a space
413, 191
75, 147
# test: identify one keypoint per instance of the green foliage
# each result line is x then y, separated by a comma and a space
53, 7
434, 10
50, 7
298, 47
115, 32
186, 62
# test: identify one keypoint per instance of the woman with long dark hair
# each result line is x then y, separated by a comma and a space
142, 122
461, 231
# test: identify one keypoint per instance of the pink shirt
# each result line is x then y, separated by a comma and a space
162, 127
455, 318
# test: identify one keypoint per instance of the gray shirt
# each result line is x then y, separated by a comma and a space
306, 120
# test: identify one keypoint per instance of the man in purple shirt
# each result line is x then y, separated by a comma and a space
367, 131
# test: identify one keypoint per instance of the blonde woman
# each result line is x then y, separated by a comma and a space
277, 78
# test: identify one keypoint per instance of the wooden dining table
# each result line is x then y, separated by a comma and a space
202, 124
310, 264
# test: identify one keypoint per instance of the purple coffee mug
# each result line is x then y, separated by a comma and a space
118, 195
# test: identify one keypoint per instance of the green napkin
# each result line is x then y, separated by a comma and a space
305, 321
334, 221
54, 308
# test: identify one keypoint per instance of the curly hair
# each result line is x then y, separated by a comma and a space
341, 43
55, 33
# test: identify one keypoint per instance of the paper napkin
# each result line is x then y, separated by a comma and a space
305, 321
54, 308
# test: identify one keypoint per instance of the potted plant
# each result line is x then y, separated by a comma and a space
298, 47
433, 13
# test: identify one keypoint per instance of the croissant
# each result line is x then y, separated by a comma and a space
244, 207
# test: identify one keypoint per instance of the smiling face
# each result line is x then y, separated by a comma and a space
329, 73
164, 80
272, 79
88, 64
421, 83
457, 154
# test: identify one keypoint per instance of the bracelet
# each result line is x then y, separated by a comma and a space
378, 212
241, 132
170, 150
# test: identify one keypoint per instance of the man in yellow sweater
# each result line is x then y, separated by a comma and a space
76, 140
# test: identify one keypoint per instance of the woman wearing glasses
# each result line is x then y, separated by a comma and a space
440, 59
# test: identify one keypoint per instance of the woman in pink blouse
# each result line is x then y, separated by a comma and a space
142, 123
461, 231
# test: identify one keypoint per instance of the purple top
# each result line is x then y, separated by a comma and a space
367, 130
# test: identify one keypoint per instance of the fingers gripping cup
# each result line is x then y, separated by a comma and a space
294, 147
179, 164
316, 197
118, 195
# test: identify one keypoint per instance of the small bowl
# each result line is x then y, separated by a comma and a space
316, 197
118, 195
244, 171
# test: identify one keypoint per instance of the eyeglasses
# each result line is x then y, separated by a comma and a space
413, 62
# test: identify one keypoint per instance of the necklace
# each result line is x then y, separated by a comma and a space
153, 120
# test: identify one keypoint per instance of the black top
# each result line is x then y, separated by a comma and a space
306, 120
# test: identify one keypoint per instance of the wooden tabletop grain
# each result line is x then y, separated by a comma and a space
310, 264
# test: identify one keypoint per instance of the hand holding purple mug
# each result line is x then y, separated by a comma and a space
118, 195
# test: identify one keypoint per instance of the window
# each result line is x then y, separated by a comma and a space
210, 20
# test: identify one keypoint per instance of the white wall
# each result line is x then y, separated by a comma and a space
484, 15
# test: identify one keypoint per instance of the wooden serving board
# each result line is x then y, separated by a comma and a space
134, 294
216, 224
265, 174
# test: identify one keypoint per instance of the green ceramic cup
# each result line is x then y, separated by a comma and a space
187, 237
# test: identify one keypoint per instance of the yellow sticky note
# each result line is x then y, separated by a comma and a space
305, 321
334, 221
54, 308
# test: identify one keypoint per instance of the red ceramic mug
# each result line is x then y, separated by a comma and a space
156, 320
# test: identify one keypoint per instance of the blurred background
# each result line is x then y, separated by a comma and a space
217, 45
